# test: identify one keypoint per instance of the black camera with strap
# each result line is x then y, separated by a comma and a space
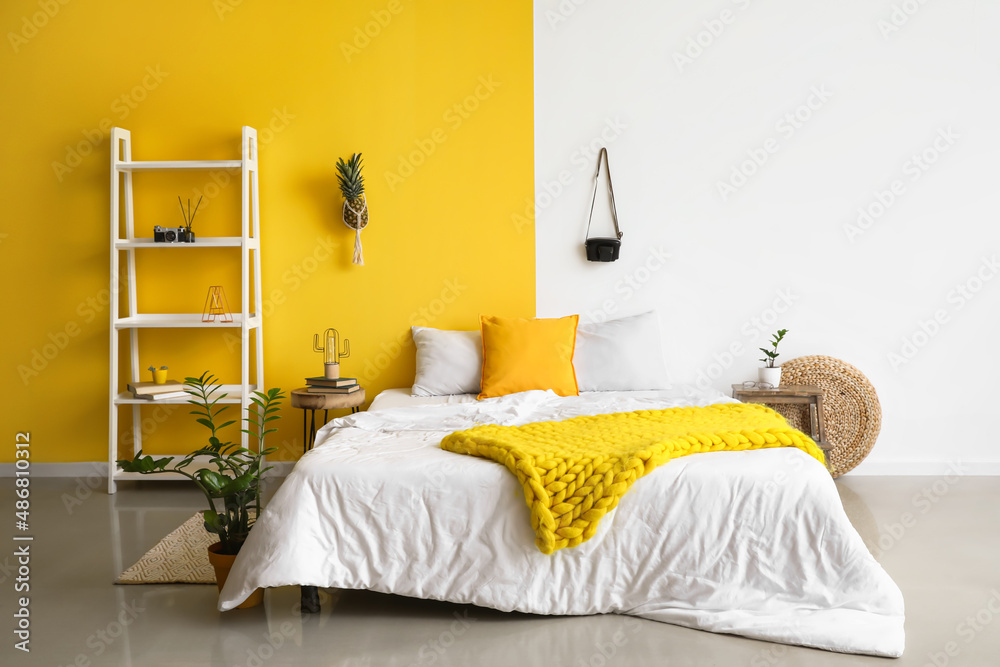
603, 249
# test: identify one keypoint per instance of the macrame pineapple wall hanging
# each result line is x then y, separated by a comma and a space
352, 186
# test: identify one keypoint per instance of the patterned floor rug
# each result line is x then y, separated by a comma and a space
179, 558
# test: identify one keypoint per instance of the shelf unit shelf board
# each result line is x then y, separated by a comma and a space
198, 463
233, 391
165, 165
201, 242
181, 320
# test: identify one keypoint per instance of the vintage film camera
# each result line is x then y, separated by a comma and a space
172, 235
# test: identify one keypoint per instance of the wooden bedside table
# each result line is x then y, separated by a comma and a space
313, 401
796, 394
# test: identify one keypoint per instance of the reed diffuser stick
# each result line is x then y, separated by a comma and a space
195, 210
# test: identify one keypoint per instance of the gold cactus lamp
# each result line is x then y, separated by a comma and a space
332, 354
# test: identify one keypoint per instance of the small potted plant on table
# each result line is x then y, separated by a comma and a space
236, 478
770, 373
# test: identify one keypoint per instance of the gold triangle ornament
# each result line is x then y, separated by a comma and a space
216, 305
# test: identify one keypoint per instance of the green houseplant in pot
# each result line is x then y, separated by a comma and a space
770, 373
232, 488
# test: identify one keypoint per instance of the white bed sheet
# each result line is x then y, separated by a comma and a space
749, 543
402, 398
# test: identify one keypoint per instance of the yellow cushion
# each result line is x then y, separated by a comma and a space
520, 355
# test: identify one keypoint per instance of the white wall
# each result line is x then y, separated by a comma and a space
676, 129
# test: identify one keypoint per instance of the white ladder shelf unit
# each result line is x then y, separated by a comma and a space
122, 167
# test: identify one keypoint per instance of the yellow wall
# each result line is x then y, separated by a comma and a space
184, 76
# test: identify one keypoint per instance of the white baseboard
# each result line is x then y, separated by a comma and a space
86, 469
82, 469
926, 468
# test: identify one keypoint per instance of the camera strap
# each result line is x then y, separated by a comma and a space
603, 155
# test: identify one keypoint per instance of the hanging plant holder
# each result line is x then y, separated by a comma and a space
356, 217
352, 187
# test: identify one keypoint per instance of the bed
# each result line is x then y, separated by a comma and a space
751, 543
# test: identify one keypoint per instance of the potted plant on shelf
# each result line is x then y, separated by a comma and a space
770, 373
236, 478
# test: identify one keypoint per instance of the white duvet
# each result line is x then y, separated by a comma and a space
749, 543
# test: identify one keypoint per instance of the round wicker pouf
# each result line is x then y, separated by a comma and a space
851, 411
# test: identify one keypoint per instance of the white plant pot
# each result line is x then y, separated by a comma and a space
331, 371
772, 376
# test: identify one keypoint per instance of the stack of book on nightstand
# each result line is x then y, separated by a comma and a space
150, 391
322, 385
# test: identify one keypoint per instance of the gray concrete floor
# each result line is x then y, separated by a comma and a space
938, 537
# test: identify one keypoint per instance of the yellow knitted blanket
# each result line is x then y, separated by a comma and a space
575, 471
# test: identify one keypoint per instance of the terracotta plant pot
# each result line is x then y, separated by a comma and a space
222, 564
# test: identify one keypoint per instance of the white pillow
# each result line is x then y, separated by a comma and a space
448, 362
620, 355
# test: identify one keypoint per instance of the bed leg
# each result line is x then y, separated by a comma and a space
310, 600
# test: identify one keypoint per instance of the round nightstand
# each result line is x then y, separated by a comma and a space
313, 401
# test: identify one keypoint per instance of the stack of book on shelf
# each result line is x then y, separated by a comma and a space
322, 385
150, 391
